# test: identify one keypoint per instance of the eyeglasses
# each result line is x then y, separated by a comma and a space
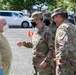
55, 16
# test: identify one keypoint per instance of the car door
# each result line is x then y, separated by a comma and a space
17, 18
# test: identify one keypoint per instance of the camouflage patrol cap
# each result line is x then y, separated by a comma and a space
36, 15
59, 11
47, 14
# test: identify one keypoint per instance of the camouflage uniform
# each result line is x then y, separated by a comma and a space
65, 43
43, 49
54, 28
47, 16
65, 46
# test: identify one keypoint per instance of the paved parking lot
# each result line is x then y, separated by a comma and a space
22, 56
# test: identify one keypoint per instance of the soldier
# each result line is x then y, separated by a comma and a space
65, 43
75, 18
5, 50
47, 20
43, 46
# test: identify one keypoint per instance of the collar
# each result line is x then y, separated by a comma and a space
41, 29
65, 21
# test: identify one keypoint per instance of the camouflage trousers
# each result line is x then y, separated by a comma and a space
64, 70
47, 71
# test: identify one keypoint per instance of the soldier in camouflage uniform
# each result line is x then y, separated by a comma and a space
75, 18
47, 20
65, 43
43, 47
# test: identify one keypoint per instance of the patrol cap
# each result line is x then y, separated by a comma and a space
36, 14
47, 14
58, 11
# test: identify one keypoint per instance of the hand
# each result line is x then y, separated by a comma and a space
43, 65
20, 44
59, 63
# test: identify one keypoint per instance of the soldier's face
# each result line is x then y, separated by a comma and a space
35, 22
57, 19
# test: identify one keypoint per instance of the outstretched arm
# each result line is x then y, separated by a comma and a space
26, 44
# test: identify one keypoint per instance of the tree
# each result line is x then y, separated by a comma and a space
73, 4
17, 4
25, 4
28, 4
3, 4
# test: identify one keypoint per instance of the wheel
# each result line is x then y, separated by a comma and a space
25, 24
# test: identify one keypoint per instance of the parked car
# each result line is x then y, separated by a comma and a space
71, 18
15, 18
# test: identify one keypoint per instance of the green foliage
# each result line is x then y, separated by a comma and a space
52, 5
24, 4
28, 4
72, 5
3, 4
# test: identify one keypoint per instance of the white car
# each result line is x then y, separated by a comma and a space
14, 18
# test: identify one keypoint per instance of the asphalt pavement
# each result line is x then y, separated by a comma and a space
22, 56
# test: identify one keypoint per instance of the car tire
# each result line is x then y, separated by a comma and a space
25, 24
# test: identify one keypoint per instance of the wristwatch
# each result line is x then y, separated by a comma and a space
46, 61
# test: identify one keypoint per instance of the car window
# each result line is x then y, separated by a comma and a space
15, 14
5, 14
21, 14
